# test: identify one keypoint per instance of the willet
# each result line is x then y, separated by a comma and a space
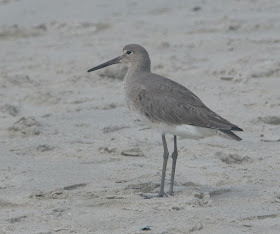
166, 105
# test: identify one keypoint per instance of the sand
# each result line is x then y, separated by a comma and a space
73, 159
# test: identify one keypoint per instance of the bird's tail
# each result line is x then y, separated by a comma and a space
231, 135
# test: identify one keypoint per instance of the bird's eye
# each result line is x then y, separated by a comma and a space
128, 52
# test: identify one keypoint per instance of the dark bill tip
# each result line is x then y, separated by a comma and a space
110, 62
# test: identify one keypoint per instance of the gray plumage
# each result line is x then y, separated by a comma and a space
162, 100
167, 105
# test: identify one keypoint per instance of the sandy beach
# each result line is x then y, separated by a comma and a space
73, 159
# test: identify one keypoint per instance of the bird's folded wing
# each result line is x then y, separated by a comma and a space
176, 105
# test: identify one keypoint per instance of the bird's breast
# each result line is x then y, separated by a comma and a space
134, 103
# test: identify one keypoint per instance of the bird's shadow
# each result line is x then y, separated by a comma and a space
188, 187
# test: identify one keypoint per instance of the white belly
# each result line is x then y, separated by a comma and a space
186, 131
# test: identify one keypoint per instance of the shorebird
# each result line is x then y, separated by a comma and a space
167, 106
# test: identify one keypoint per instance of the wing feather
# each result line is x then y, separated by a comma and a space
169, 102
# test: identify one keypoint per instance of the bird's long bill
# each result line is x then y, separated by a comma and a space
110, 62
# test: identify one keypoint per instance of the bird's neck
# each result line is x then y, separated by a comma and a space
143, 66
134, 73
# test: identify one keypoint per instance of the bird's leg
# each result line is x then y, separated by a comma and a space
165, 158
174, 159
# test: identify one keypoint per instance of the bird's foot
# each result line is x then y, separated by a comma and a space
171, 193
149, 196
